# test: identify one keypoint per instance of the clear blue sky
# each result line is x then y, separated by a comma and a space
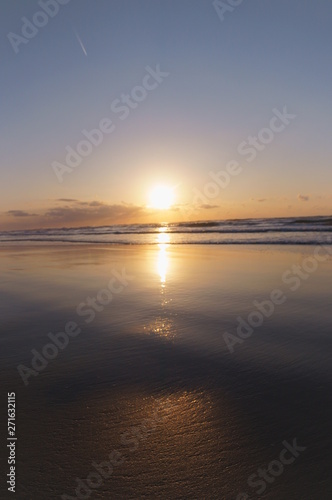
225, 78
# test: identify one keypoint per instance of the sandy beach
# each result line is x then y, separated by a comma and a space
166, 250
142, 395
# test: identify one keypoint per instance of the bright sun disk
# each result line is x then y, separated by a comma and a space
161, 197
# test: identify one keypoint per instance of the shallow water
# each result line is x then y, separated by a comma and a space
152, 377
276, 231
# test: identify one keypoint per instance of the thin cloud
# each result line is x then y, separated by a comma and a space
76, 213
207, 206
303, 197
20, 213
94, 212
67, 200
97, 204
83, 203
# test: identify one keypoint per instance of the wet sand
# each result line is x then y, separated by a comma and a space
148, 382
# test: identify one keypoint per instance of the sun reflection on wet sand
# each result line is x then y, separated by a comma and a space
163, 325
162, 263
154, 364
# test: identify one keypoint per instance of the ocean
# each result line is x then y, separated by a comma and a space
280, 231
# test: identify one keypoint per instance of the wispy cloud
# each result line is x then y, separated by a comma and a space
260, 200
303, 197
69, 212
20, 213
207, 206
69, 200
93, 212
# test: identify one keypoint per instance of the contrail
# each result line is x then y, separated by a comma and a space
80, 42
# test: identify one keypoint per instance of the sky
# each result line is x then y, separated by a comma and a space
227, 103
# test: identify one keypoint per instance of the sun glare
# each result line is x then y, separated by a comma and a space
161, 197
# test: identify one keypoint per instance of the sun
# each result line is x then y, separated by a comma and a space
161, 197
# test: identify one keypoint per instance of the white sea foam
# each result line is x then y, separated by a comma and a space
283, 231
